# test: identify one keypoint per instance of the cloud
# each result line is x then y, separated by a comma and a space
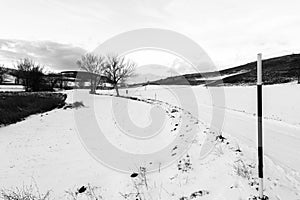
53, 55
231, 32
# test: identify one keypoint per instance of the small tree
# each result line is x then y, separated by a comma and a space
117, 70
93, 64
2, 73
31, 74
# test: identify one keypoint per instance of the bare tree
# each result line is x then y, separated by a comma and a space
117, 69
93, 64
31, 74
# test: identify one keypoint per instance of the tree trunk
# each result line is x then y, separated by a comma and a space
95, 84
99, 82
92, 86
117, 90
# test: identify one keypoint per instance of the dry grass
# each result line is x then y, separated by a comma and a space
76, 105
90, 193
24, 193
241, 169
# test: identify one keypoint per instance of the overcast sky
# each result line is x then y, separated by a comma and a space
57, 32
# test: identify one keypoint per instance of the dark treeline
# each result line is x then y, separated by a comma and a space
97, 69
28, 73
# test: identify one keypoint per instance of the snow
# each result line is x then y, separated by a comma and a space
47, 149
12, 88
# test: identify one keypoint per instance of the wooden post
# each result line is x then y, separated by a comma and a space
259, 118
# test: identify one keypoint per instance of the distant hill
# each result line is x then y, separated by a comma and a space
275, 71
149, 72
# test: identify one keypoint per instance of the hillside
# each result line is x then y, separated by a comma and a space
275, 71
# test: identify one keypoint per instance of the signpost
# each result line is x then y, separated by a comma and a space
259, 118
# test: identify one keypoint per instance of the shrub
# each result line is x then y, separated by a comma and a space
15, 106
31, 73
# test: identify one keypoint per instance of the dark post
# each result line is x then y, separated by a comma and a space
259, 117
298, 74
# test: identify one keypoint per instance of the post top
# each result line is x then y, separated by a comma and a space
259, 69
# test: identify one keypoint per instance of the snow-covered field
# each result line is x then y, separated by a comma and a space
281, 111
48, 150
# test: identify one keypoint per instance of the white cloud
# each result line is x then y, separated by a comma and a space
50, 54
230, 31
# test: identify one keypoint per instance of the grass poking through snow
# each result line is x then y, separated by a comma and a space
24, 193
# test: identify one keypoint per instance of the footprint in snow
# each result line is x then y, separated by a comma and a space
174, 148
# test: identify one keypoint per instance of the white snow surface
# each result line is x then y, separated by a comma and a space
12, 88
46, 149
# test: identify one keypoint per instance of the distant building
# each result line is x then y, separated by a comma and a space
82, 79
11, 83
9, 79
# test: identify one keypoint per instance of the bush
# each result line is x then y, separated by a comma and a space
31, 75
15, 106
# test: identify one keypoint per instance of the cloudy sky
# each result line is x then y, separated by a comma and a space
57, 32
